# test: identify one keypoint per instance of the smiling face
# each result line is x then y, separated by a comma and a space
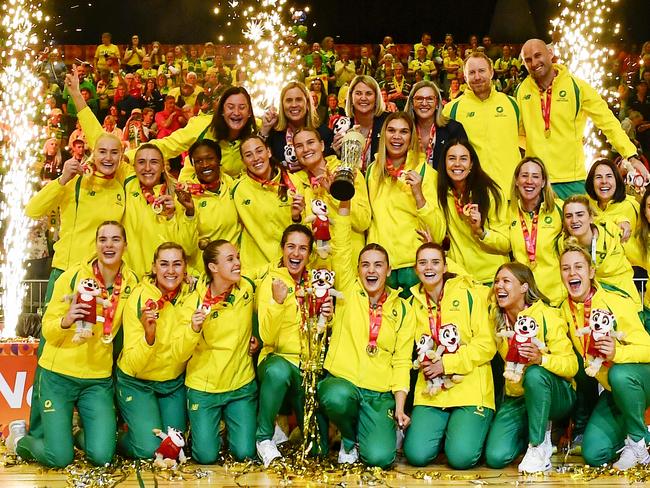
169, 269
577, 274
236, 112
577, 219
257, 158
458, 163
430, 267
107, 155
309, 150
295, 254
604, 183
110, 244
398, 138
478, 74
227, 267
538, 59
530, 182
425, 102
206, 164
148, 167
509, 291
363, 99
294, 105
373, 271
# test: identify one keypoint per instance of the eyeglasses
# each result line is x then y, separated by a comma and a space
421, 100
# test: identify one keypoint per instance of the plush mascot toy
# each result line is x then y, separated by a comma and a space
320, 226
448, 343
322, 287
525, 332
88, 292
170, 452
601, 324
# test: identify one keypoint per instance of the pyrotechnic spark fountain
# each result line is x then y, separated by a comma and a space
19, 87
581, 25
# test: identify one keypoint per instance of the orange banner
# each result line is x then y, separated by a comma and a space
17, 367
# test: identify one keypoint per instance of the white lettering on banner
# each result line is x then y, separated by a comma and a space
13, 396
28, 397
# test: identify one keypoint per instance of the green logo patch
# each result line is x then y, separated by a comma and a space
246, 202
204, 203
527, 97
548, 219
563, 93
471, 114
499, 109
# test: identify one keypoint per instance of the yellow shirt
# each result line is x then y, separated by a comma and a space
218, 355
635, 345
93, 358
160, 361
552, 331
102, 53
467, 310
388, 370
618, 212
549, 230
638, 253
395, 217
492, 126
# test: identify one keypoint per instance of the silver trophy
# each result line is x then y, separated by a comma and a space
342, 188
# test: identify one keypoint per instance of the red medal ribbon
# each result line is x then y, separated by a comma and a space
198, 188
285, 180
392, 170
209, 301
159, 304
458, 203
108, 312
365, 157
374, 318
546, 106
434, 326
530, 238
432, 141
586, 315
152, 199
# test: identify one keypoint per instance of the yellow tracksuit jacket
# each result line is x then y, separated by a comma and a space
617, 212
466, 309
395, 217
92, 359
480, 258
218, 355
635, 345
388, 370
84, 203
573, 100
638, 253
160, 361
492, 126
552, 331
549, 230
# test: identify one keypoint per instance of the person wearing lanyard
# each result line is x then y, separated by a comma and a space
365, 107
219, 345
424, 105
535, 216
282, 321
369, 356
476, 224
314, 181
297, 112
79, 373
150, 371
449, 311
545, 391
267, 202
402, 193
637, 251
606, 189
210, 189
617, 423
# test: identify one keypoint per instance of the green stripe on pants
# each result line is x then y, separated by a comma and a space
239, 410
464, 430
147, 405
58, 396
362, 416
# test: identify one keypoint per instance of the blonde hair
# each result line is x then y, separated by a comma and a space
572, 244
439, 119
310, 113
548, 195
414, 145
380, 108
582, 199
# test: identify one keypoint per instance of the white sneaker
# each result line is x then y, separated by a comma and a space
348, 457
633, 453
279, 435
17, 430
267, 451
537, 459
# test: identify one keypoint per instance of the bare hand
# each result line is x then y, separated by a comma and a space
626, 231
167, 202
531, 352
325, 180
433, 370
280, 291
186, 200
337, 142
474, 220
253, 346
403, 420
71, 168
607, 347
327, 309
77, 311
424, 235
297, 207
148, 321
198, 317
640, 168
269, 119
72, 80
414, 179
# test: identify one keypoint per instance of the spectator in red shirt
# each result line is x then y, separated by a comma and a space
168, 120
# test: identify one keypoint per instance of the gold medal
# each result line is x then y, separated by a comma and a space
157, 207
371, 350
547, 133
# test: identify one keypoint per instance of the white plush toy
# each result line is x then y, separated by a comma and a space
525, 332
449, 343
320, 226
88, 292
601, 324
426, 354
322, 287
170, 450
342, 124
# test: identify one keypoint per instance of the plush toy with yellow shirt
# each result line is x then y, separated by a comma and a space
601, 324
525, 332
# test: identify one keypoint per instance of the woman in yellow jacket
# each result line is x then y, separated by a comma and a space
453, 317
535, 216
369, 355
403, 198
637, 251
75, 370
220, 378
542, 390
476, 213
150, 370
314, 183
602, 242
606, 190
617, 423
267, 202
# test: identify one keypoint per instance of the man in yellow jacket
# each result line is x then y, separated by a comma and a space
491, 120
554, 108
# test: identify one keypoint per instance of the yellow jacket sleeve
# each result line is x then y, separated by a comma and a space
634, 347
136, 352
560, 358
57, 309
401, 360
497, 237
185, 344
344, 269
480, 349
270, 312
48, 198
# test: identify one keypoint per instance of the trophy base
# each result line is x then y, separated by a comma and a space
342, 188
